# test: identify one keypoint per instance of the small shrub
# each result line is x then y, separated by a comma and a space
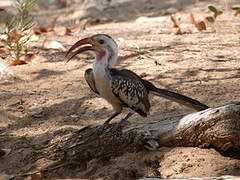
18, 27
215, 12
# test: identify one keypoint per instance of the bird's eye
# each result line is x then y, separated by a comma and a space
101, 41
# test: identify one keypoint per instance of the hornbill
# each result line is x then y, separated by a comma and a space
121, 87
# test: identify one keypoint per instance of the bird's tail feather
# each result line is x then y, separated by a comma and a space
181, 99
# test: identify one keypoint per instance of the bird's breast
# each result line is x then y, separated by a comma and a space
102, 83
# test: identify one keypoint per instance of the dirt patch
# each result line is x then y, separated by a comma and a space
168, 163
202, 65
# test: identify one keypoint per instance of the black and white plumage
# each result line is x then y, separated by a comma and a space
122, 87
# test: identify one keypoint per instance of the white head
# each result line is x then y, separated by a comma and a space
103, 45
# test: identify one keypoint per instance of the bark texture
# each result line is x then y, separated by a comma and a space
214, 127
206, 178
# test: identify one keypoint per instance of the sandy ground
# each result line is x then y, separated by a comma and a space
202, 65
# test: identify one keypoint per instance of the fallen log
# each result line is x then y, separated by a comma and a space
202, 178
215, 127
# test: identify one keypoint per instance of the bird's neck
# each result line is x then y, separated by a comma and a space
103, 63
105, 60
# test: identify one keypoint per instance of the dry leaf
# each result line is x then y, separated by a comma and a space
17, 62
61, 30
175, 26
2, 41
27, 57
237, 13
201, 26
43, 29
1, 9
2, 51
69, 31
40, 30
16, 35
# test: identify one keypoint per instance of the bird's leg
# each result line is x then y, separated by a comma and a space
127, 117
113, 116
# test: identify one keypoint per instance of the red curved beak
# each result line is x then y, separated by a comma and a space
79, 43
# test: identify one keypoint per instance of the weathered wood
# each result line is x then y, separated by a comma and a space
203, 178
214, 127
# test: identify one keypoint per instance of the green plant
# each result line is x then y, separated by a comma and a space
215, 12
18, 27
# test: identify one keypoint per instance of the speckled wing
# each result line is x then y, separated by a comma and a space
90, 80
129, 89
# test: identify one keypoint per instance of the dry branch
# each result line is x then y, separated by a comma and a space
214, 127
204, 178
